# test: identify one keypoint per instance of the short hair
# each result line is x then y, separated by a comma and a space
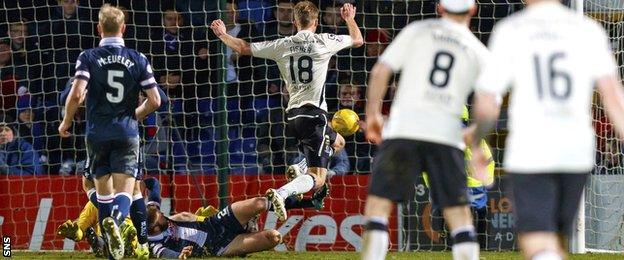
110, 19
305, 13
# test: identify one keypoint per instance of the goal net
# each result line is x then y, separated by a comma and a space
222, 137
604, 196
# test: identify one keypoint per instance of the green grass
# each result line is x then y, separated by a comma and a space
321, 255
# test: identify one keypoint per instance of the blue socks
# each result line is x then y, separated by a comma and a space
121, 206
138, 214
105, 206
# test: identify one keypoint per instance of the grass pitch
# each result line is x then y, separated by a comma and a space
322, 255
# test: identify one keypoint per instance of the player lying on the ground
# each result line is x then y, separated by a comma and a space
231, 232
86, 224
303, 61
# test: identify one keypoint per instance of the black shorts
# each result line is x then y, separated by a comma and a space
310, 126
222, 228
546, 202
87, 172
399, 162
112, 156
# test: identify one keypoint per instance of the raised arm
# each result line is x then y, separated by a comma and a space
378, 85
612, 96
348, 14
238, 45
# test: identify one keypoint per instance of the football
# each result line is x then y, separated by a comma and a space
345, 122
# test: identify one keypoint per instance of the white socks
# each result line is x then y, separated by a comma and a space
299, 185
546, 255
376, 239
465, 245
466, 251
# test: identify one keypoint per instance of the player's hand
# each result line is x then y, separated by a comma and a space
479, 163
186, 252
374, 124
64, 129
218, 27
347, 11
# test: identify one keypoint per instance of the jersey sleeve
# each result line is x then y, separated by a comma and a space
160, 251
266, 49
82, 67
395, 55
603, 62
495, 76
335, 43
146, 74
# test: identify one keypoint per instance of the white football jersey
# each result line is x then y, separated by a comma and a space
303, 61
549, 58
439, 62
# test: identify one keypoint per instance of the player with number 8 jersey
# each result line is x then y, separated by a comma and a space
439, 61
303, 61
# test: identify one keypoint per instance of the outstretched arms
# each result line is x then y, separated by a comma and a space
238, 45
348, 14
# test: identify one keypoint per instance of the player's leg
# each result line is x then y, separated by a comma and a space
138, 215
394, 174
535, 200
445, 166
572, 186
253, 242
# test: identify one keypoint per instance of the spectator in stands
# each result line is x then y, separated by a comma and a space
357, 147
332, 20
376, 42
13, 78
69, 32
27, 49
16, 155
283, 24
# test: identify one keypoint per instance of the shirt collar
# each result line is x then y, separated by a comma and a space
112, 41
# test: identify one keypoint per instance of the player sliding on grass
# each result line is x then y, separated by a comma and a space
550, 59
231, 232
115, 76
303, 61
439, 60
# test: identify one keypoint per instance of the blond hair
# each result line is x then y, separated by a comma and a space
111, 19
306, 13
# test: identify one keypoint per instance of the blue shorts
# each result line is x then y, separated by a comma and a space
222, 228
112, 156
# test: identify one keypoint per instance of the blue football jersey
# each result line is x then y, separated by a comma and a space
116, 75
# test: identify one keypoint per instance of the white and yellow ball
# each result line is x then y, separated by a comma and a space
345, 122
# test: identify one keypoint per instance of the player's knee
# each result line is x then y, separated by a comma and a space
260, 204
319, 180
273, 237
339, 143
87, 184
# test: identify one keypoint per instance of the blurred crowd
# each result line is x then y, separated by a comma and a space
209, 85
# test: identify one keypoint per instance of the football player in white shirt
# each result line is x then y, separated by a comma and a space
550, 59
439, 61
303, 60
